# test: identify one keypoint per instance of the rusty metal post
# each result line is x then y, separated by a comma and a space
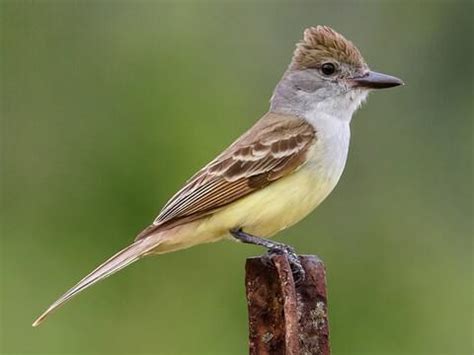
284, 319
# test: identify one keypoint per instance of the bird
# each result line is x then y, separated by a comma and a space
274, 174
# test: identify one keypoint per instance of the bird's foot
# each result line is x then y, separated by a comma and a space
273, 248
293, 259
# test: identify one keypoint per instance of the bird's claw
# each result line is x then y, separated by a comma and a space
293, 259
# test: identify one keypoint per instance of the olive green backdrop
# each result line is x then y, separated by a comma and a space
107, 107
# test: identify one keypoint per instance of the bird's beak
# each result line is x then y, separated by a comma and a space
374, 80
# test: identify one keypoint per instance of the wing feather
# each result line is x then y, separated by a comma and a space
274, 147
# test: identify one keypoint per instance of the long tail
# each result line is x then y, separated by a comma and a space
117, 262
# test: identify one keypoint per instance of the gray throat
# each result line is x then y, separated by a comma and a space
303, 94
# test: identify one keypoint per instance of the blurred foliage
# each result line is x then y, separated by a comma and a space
108, 106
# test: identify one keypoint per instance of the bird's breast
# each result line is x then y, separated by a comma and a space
288, 200
328, 156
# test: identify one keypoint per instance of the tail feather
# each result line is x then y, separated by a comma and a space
117, 262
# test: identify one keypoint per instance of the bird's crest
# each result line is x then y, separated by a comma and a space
322, 43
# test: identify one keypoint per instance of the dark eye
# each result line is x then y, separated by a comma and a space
328, 69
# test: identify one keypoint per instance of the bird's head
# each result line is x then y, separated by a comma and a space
328, 67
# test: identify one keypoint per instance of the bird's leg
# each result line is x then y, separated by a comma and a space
273, 248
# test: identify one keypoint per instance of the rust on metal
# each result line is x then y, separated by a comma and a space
284, 319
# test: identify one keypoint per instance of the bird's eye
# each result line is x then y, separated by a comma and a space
328, 69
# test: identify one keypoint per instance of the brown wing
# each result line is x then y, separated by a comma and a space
274, 147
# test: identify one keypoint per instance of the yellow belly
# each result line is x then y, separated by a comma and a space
263, 213
275, 207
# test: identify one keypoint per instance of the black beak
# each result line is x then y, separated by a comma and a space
374, 80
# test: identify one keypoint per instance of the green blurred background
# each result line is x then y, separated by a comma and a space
107, 107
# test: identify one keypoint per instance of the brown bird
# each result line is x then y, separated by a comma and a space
274, 174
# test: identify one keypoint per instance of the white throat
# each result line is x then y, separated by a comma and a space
338, 109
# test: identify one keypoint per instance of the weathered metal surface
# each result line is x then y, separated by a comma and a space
284, 319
